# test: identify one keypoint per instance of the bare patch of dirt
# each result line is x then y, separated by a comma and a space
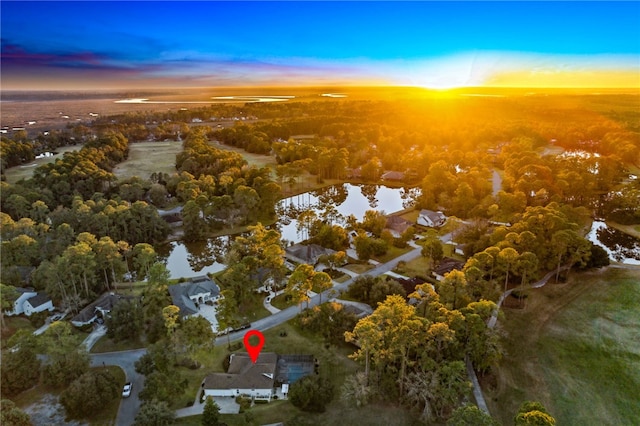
49, 412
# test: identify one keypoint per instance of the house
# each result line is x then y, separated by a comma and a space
431, 219
38, 303
29, 302
269, 375
310, 253
100, 307
447, 265
397, 225
189, 294
393, 175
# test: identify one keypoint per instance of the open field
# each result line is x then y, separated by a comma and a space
575, 349
148, 157
258, 160
25, 171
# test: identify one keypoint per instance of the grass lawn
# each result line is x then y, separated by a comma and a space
633, 230
25, 171
13, 324
392, 253
575, 349
418, 267
359, 268
258, 160
105, 344
280, 302
148, 157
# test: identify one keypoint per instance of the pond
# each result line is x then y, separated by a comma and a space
621, 247
334, 203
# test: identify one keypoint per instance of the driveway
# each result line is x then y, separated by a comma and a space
209, 312
126, 359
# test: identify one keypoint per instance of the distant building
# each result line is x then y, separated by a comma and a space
393, 175
398, 225
30, 301
431, 219
447, 265
100, 307
189, 294
309, 253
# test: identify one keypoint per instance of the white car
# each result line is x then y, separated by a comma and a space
126, 391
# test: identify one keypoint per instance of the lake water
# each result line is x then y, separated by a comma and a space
621, 247
335, 202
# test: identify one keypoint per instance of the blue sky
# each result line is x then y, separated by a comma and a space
435, 44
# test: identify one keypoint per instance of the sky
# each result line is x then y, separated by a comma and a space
148, 44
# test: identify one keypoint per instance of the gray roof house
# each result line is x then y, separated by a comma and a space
397, 225
431, 219
260, 380
103, 305
188, 294
310, 253
30, 301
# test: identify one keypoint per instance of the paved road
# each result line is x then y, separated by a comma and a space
128, 406
289, 313
497, 182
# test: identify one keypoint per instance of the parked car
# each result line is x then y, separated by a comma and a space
126, 391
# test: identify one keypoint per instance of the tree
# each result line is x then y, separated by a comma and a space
143, 257
321, 281
126, 321
470, 415
388, 335
196, 333
227, 313
507, 258
89, 394
300, 283
171, 315
8, 294
11, 415
19, 370
163, 386
526, 265
355, 390
433, 250
66, 362
155, 413
438, 387
311, 393
532, 413
453, 290
211, 413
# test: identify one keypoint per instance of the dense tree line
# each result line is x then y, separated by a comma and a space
416, 354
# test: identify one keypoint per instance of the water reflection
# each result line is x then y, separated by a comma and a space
192, 259
621, 247
337, 202
333, 203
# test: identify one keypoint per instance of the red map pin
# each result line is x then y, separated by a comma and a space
254, 351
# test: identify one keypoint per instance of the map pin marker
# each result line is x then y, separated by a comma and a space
254, 351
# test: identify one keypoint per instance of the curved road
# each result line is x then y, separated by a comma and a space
289, 313
129, 406
125, 359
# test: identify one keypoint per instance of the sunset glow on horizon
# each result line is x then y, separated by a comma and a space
112, 45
